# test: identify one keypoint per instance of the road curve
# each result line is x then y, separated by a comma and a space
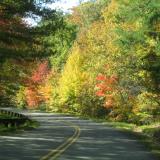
69, 138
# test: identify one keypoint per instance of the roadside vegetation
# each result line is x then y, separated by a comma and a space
28, 125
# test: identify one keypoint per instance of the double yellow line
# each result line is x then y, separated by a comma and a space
54, 154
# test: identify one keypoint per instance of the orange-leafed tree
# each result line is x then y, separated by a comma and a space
40, 74
34, 95
106, 87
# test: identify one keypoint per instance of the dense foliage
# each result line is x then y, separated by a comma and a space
24, 47
102, 60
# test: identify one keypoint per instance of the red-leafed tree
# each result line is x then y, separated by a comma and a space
32, 97
38, 78
106, 88
40, 74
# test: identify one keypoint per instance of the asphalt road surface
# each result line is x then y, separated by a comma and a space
68, 138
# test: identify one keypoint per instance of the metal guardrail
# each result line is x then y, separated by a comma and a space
15, 120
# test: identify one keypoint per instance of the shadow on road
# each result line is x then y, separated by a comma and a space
96, 142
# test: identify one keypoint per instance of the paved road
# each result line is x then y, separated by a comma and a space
69, 138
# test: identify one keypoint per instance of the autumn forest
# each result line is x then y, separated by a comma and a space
100, 60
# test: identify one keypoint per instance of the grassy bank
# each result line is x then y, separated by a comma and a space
28, 125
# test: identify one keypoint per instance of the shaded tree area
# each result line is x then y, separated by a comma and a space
18, 39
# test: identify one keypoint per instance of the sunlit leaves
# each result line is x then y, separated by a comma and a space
106, 86
39, 75
35, 93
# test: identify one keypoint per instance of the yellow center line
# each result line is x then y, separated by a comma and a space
52, 155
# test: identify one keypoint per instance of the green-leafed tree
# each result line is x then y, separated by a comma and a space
22, 45
17, 39
86, 13
60, 41
138, 31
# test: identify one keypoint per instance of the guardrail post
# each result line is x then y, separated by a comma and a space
17, 120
